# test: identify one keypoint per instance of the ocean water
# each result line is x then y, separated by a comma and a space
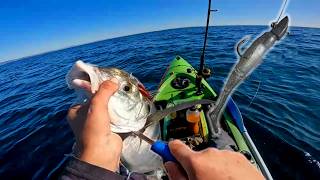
280, 101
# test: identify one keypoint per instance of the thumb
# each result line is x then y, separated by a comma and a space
98, 111
106, 90
181, 152
175, 171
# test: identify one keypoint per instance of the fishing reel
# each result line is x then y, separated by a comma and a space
206, 73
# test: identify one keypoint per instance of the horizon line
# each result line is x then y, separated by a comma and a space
126, 35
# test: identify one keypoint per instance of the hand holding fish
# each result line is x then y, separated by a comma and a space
90, 124
128, 109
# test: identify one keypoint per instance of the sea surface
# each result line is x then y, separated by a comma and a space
280, 101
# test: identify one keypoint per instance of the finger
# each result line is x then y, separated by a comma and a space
76, 117
98, 112
175, 171
181, 152
77, 112
72, 113
106, 90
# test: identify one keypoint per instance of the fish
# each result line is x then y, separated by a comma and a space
128, 108
249, 60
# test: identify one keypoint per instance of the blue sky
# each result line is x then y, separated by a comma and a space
34, 26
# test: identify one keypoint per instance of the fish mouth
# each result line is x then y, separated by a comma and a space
83, 76
83, 81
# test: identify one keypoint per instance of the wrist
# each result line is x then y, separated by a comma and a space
97, 157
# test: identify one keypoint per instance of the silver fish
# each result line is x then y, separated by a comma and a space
128, 109
247, 63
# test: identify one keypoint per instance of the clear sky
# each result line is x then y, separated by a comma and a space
34, 26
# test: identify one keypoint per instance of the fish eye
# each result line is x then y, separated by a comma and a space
126, 88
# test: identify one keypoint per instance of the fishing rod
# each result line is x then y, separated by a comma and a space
202, 71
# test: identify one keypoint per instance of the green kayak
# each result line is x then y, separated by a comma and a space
178, 86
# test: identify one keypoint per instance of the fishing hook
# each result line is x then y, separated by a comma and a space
242, 41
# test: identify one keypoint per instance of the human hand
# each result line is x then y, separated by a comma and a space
90, 124
210, 163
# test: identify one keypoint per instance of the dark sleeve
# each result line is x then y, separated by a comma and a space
77, 169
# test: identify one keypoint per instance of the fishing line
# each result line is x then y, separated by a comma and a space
282, 9
284, 5
255, 95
